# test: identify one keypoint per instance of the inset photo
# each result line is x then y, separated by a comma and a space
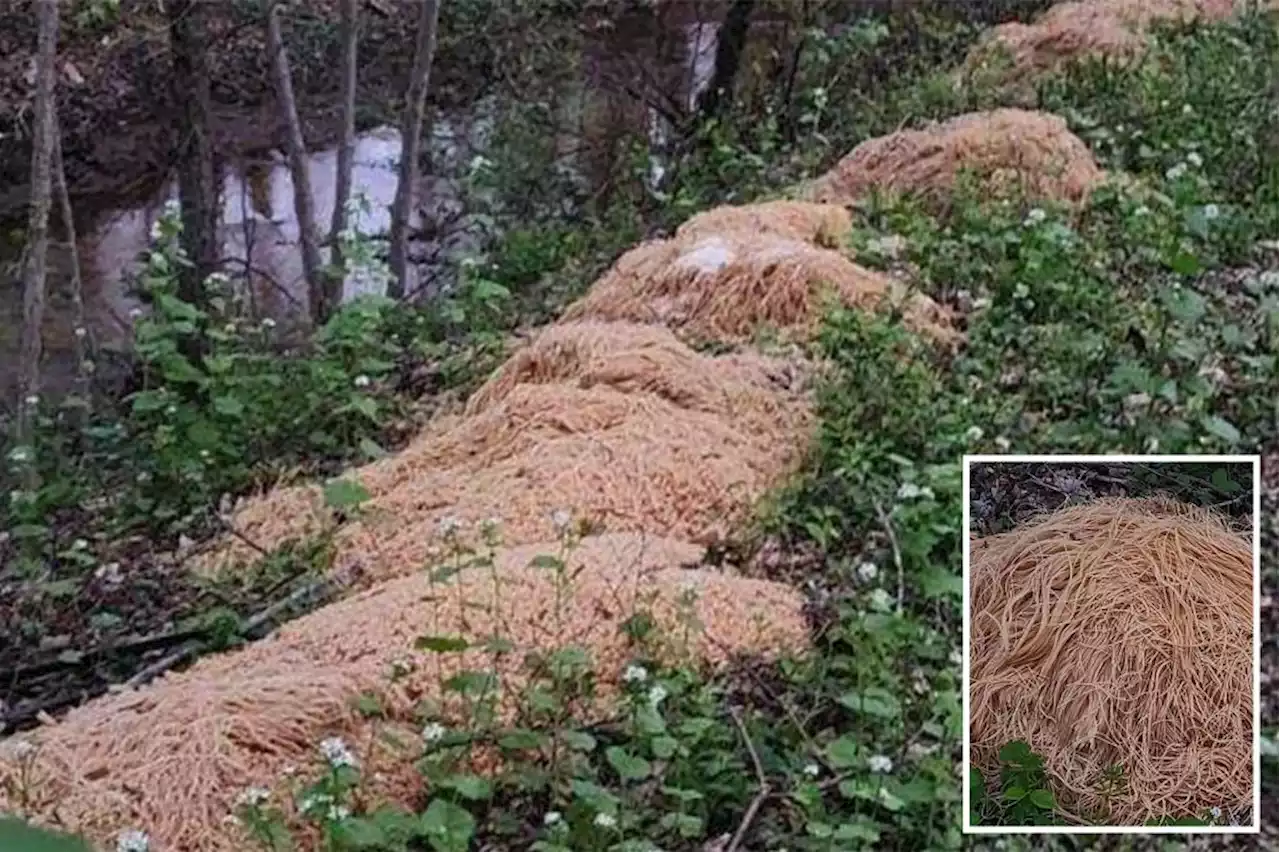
1111, 665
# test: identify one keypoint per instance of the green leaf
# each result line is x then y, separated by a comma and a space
579, 740
521, 739
441, 644
1015, 793
1224, 483
872, 701
368, 705
628, 766
344, 493
447, 827
1185, 263
1221, 428
228, 405
843, 752
365, 405
1017, 751
468, 786
664, 747
1043, 799
371, 450
863, 830
20, 837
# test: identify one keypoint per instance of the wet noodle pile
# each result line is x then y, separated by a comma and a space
1118, 633
172, 757
1009, 151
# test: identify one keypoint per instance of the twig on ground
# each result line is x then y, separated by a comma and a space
316, 591
761, 794
897, 552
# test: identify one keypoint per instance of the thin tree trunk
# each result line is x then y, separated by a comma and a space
36, 266
197, 189
411, 139
346, 149
732, 39
303, 208
84, 347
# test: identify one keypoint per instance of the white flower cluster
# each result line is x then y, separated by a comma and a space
133, 840
335, 751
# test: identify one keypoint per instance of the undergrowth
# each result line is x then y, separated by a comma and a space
1144, 322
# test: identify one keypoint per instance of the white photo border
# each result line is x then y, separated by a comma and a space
1256, 462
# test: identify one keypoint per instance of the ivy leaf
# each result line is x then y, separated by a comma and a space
447, 827
1043, 799
843, 753
628, 766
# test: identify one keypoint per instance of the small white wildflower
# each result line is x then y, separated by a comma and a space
657, 693
552, 818
908, 491
21, 455
268, 322
606, 820
335, 751
561, 519
361, 381
449, 525
252, 797
315, 801
1211, 211
956, 657
1003, 444
1187, 109
867, 572
134, 313
81, 331
1142, 210
1195, 160
109, 574
881, 600
1215, 812
80, 544
337, 813
32, 399
973, 433
635, 674
229, 328
433, 731
401, 666
1177, 171
1035, 216
812, 770
156, 232
133, 841
1152, 444
879, 763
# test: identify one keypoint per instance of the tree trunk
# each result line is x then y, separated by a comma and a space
197, 187
729, 45
346, 150
35, 268
303, 208
84, 348
411, 138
